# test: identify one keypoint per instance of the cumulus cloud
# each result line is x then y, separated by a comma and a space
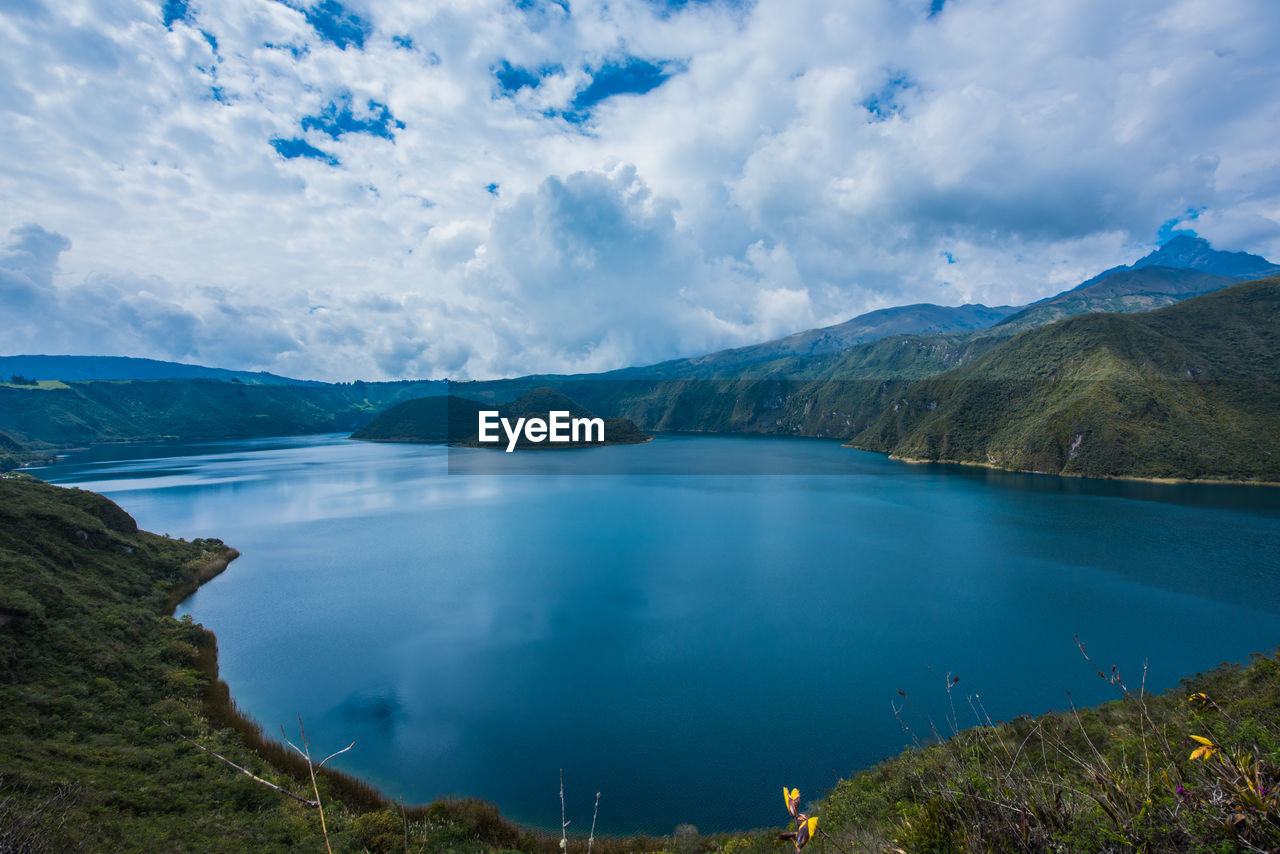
340, 189
123, 314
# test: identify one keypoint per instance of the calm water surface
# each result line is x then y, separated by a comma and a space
685, 644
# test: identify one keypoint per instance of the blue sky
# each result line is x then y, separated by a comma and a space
350, 188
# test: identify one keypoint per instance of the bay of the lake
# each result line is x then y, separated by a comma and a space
686, 644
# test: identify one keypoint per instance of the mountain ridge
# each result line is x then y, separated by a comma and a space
1188, 391
1191, 252
917, 318
82, 368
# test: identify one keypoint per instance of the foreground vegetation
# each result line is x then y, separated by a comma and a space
109, 708
1193, 770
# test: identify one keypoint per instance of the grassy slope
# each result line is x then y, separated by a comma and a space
96, 680
1124, 291
1188, 391
94, 673
1118, 777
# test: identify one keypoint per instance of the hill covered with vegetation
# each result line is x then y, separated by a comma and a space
442, 418
1121, 292
1193, 770
111, 711
1187, 391
97, 682
1183, 267
73, 414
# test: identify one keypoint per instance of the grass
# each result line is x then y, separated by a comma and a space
45, 385
1119, 777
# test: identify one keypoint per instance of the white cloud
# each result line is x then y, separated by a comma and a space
804, 162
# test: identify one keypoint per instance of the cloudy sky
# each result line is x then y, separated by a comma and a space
381, 189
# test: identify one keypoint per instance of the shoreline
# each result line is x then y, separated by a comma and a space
221, 710
1215, 481
353, 793
206, 571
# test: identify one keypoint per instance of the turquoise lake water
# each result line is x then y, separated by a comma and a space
684, 644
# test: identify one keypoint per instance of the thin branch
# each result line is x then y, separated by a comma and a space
564, 836
246, 771
827, 837
404, 821
337, 753
591, 838
305, 752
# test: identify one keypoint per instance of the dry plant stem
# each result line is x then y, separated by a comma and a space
404, 822
1146, 755
592, 837
247, 772
826, 836
564, 836
305, 753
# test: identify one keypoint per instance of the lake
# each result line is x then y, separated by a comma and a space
685, 644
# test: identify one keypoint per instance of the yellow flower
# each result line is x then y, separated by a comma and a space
1206, 750
791, 799
805, 831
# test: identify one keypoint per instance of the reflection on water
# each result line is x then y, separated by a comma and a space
683, 643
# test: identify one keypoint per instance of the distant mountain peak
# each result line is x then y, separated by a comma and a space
1189, 252
1185, 240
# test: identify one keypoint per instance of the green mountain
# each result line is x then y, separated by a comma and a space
1123, 291
929, 338
841, 394
12, 453
1187, 391
81, 368
539, 402
65, 415
1184, 267
444, 418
